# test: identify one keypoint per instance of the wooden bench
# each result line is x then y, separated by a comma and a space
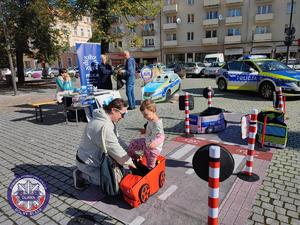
38, 108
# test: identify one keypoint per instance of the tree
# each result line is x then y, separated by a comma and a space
31, 26
105, 13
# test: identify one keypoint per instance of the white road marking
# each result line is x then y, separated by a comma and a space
182, 151
137, 221
189, 159
168, 192
189, 171
237, 161
228, 143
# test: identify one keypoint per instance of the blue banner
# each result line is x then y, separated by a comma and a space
88, 59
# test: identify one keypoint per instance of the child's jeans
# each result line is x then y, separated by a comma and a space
150, 153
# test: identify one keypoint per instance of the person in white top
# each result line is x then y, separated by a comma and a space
154, 137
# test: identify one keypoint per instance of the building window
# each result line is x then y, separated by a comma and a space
89, 32
171, 37
262, 29
81, 32
191, 18
264, 9
190, 2
234, 12
132, 29
75, 31
120, 44
149, 42
170, 2
212, 15
69, 62
149, 27
289, 7
234, 32
171, 19
190, 36
210, 33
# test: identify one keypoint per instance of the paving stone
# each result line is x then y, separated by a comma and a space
295, 221
282, 218
280, 210
257, 210
258, 218
267, 206
269, 214
272, 221
278, 203
292, 214
287, 199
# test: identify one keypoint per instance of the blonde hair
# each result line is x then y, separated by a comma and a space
149, 105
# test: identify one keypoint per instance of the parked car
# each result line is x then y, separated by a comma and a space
162, 87
292, 63
212, 70
73, 71
213, 58
177, 68
35, 73
259, 75
194, 69
5, 71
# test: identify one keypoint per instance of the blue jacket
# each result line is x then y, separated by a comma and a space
130, 70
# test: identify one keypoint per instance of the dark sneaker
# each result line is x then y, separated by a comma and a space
79, 182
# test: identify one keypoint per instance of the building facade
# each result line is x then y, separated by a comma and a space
187, 30
79, 32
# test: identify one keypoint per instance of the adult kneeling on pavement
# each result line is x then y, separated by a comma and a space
101, 136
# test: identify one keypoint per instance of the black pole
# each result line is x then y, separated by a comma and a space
289, 34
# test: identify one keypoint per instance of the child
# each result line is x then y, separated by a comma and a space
154, 137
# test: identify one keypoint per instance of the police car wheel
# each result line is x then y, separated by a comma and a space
266, 90
222, 86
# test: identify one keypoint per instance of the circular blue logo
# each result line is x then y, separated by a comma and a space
28, 195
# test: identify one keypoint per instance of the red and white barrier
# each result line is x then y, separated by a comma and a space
251, 142
213, 185
209, 99
280, 99
187, 114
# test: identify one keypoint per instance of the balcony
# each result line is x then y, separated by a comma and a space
170, 8
170, 43
169, 26
148, 48
236, 20
233, 39
234, 2
210, 41
211, 22
210, 3
264, 17
148, 33
262, 37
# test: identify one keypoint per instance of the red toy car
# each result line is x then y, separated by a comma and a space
138, 186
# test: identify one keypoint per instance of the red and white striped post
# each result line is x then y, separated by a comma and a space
213, 185
209, 94
187, 114
251, 142
280, 99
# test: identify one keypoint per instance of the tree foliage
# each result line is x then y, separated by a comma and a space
31, 31
106, 13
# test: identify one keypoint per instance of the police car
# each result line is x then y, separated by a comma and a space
162, 87
258, 74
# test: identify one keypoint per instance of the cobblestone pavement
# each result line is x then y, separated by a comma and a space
48, 150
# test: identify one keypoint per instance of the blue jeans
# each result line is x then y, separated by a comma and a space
130, 95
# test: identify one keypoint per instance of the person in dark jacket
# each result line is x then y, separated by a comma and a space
105, 72
130, 74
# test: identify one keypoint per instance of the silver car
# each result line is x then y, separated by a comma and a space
212, 70
194, 69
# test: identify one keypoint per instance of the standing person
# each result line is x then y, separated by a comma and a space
130, 73
154, 138
101, 132
105, 72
